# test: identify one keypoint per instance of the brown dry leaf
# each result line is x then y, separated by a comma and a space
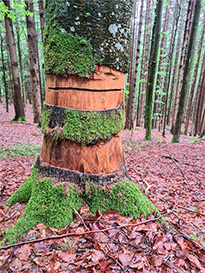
42, 248
194, 261
66, 257
156, 260
125, 258
23, 252
104, 265
137, 265
181, 243
5, 258
97, 256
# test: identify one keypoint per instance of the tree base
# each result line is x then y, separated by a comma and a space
52, 203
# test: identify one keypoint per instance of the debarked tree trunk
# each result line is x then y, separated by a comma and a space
86, 45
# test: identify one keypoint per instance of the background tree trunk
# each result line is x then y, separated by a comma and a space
182, 60
130, 108
152, 68
34, 62
177, 127
18, 102
194, 81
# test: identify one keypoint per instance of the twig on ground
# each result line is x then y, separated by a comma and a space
194, 211
81, 219
196, 226
175, 162
80, 233
191, 164
148, 186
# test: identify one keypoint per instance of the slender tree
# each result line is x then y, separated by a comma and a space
152, 68
145, 66
18, 102
41, 14
158, 91
4, 76
177, 127
182, 60
130, 113
194, 79
34, 62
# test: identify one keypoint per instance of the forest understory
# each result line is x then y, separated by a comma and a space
171, 175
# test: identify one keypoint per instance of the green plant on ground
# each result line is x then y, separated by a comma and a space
24, 150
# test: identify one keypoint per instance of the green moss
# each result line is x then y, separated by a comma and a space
23, 193
125, 197
174, 140
86, 127
65, 53
47, 204
19, 119
45, 118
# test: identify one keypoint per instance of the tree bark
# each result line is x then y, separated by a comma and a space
130, 112
194, 80
4, 76
146, 56
34, 62
41, 13
177, 127
158, 96
18, 102
152, 68
182, 60
169, 66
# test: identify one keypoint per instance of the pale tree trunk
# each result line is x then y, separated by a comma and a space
194, 80
4, 75
195, 21
146, 56
200, 105
169, 66
197, 98
153, 58
20, 59
202, 128
157, 105
182, 61
18, 102
130, 113
34, 62
174, 76
41, 13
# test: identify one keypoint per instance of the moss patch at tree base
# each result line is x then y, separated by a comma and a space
52, 203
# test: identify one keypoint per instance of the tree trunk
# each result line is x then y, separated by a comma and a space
194, 80
182, 60
152, 68
41, 14
146, 54
158, 97
200, 104
130, 110
4, 76
177, 127
18, 102
169, 66
174, 73
34, 62
20, 58
83, 117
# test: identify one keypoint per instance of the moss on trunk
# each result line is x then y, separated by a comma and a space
65, 53
81, 126
52, 203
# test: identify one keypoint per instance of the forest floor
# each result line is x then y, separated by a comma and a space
171, 175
